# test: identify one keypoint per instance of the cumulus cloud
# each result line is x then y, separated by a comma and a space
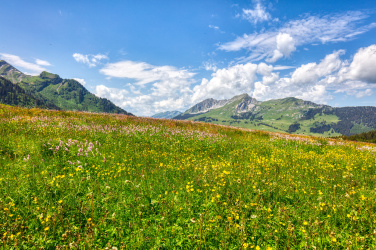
277, 43
363, 65
210, 66
285, 46
114, 94
312, 81
227, 82
258, 14
168, 86
311, 72
80, 80
34, 68
90, 60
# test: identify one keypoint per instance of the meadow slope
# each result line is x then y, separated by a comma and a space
85, 180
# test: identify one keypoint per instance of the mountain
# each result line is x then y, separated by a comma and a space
289, 115
12, 94
167, 114
66, 94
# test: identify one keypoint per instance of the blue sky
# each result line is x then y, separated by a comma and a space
155, 56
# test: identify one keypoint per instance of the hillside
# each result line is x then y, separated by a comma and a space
362, 137
13, 94
66, 94
167, 114
84, 180
289, 115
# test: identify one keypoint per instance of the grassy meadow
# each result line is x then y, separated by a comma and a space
76, 180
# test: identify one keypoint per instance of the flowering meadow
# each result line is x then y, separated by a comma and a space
99, 181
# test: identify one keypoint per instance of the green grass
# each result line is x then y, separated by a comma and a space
163, 184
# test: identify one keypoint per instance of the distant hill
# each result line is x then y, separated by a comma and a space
289, 115
50, 89
167, 114
363, 137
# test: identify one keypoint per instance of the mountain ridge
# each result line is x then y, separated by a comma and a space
291, 115
66, 94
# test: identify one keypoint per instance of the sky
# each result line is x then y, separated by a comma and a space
151, 56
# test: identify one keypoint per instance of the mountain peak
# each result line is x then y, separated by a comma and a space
11, 73
206, 105
47, 75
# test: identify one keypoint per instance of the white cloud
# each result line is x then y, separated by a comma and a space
228, 82
214, 27
312, 72
361, 94
90, 60
363, 66
274, 44
80, 80
42, 62
210, 66
285, 46
145, 73
258, 14
19, 62
113, 94
168, 87
283, 67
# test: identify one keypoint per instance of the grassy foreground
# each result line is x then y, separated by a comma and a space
87, 181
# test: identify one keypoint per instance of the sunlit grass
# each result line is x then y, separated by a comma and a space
96, 180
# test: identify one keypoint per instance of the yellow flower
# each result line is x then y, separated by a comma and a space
60, 201
334, 239
47, 228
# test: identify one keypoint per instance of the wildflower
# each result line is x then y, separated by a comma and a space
73, 245
193, 220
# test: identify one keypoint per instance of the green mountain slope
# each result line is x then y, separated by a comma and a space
290, 115
66, 94
12, 94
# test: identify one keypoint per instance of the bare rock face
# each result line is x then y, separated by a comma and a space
206, 105
247, 104
11, 73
